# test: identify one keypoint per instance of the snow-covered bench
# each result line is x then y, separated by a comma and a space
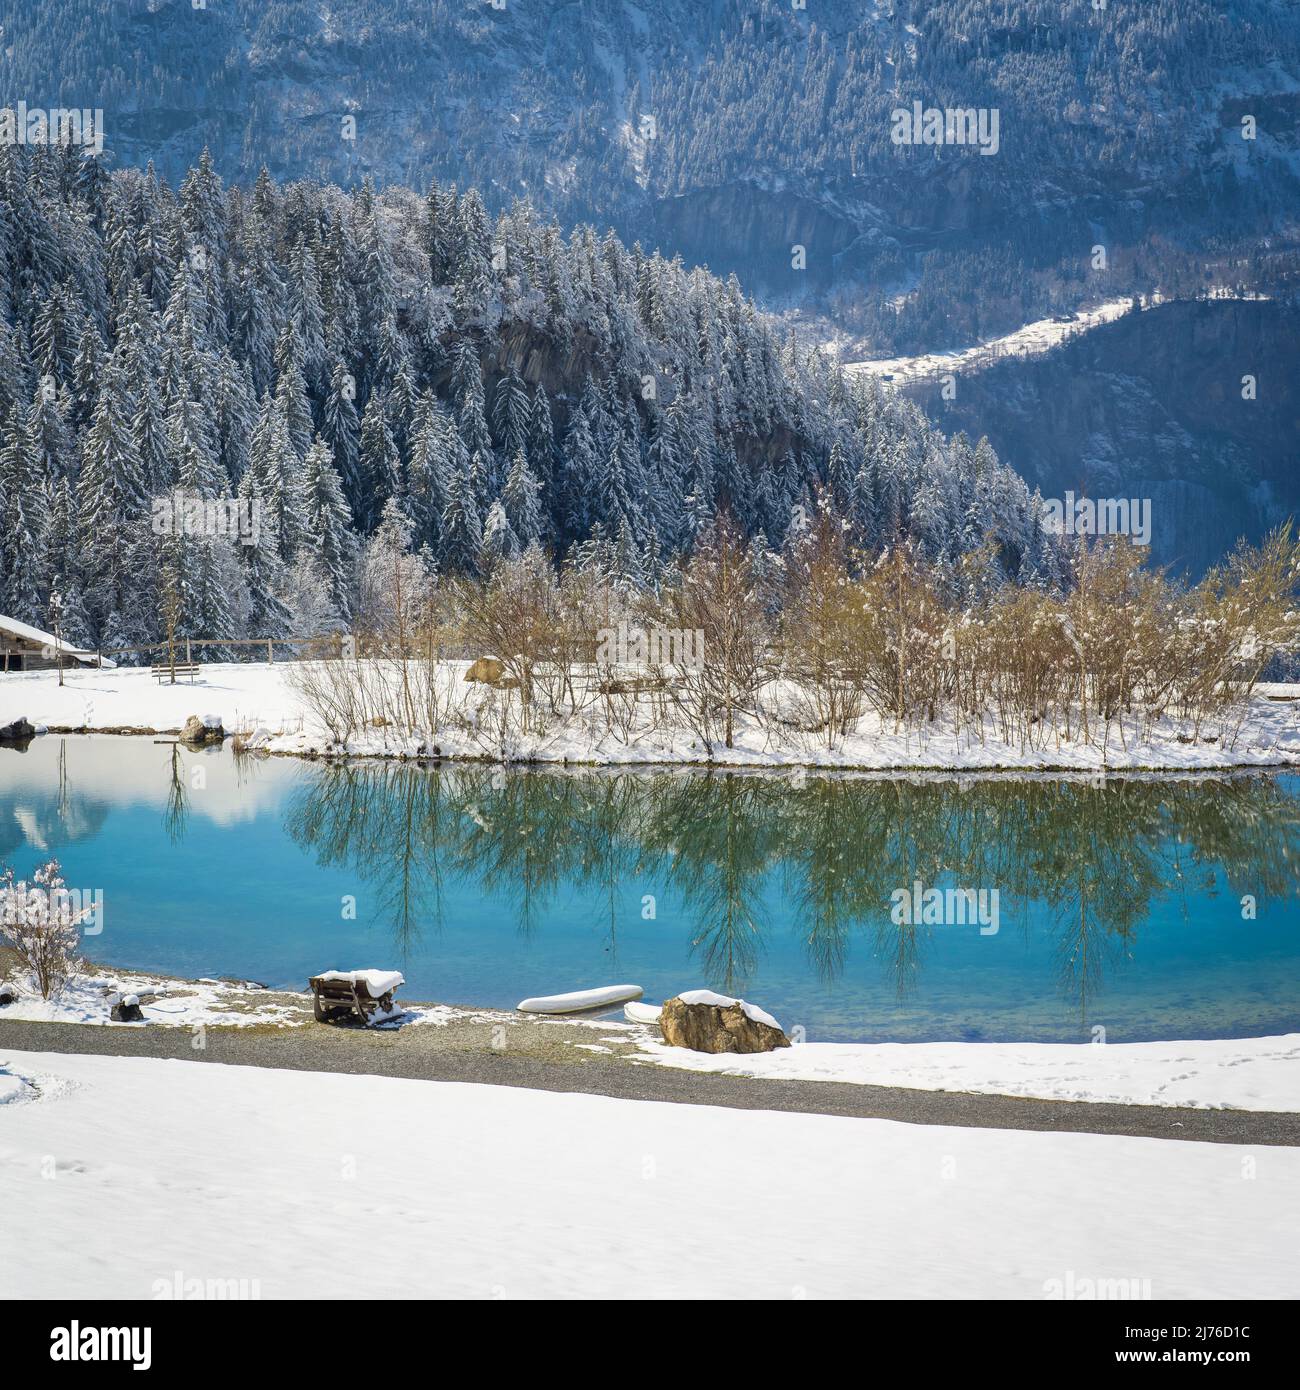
367, 993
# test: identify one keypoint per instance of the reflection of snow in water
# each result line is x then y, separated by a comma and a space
61, 788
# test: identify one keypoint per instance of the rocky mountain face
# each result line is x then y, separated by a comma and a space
756, 136
1157, 405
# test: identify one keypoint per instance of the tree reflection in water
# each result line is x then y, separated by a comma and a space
1098, 858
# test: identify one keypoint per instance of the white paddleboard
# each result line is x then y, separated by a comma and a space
579, 1000
642, 1013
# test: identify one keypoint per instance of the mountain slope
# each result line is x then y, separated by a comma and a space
325, 359
1152, 406
738, 130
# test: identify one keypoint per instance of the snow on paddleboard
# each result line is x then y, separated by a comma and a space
642, 1013
579, 1000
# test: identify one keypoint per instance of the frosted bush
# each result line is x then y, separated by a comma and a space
40, 923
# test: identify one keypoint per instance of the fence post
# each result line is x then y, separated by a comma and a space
270, 659
188, 658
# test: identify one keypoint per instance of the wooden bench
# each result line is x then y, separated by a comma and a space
181, 668
341, 993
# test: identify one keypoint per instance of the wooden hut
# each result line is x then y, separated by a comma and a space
27, 648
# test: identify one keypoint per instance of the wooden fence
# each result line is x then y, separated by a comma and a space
331, 644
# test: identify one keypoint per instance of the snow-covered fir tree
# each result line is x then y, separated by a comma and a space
330, 358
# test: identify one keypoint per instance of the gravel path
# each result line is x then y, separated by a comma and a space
502, 1050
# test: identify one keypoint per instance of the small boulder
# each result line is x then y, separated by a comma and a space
125, 1008
202, 729
7, 993
17, 732
708, 1022
487, 670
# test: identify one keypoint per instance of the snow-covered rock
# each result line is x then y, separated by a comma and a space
708, 1022
203, 728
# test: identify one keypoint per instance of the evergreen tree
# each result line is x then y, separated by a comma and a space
499, 540
521, 499
462, 527
342, 430
510, 414
326, 518
24, 523
430, 470
380, 464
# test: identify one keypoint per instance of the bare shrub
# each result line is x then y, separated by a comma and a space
40, 923
719, 595
816, 636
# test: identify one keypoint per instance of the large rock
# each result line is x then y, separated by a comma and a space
17, 732
487, 670
202, 728
708, 1022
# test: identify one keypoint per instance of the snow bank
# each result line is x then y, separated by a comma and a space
578, 1000
257, 701
1240, 1074
231, 695
14, 1089
221, 1174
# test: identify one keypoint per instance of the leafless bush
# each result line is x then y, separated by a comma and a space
718, 595
894, 634
41, 924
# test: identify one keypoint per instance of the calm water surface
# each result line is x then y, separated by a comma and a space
1119, 907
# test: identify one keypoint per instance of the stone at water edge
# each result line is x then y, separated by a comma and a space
201, 729
125, 1008
707, 1022
16, 732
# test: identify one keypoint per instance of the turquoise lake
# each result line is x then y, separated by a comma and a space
1118, 906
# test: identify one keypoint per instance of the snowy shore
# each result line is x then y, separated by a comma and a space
1260, 1074
259, 703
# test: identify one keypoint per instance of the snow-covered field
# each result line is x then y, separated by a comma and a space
258, 700
125, 1177
1237, 1074
1029, 340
